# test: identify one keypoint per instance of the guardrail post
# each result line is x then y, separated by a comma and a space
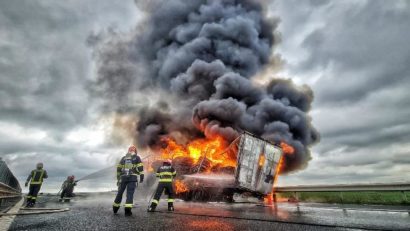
295, 194
403, 193
341, 196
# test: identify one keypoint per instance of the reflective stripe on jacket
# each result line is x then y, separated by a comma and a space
166, 173
37, 176
130, 165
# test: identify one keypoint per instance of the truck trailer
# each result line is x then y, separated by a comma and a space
254, 174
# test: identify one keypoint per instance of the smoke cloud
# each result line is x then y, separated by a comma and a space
186, 72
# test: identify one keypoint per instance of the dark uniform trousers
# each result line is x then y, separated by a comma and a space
36, 179
166, 174
33, 192
164, 186
128, 183
128, 170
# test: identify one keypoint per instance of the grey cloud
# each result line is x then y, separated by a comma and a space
355, 55
59, 166
45, 63
365, 48
44, 66
44, 75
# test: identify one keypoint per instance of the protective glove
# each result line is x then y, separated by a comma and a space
141, 178
26, 184
118, 183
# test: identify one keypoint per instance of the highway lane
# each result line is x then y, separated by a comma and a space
93, 212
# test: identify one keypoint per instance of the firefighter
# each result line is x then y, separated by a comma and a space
68, 187
128, 170
166, 173
35, 179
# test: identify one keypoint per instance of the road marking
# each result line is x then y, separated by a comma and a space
5, 221
41, 208
36, 212
340, 208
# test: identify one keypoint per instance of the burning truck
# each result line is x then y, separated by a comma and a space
214, 171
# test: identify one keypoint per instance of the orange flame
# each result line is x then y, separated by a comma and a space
287, 149
278, 170
180, 187
215, 151
261, 160
268, 198
212, 149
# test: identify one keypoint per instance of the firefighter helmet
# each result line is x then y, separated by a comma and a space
39, 165
132, 149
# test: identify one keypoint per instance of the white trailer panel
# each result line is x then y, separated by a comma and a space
257, 164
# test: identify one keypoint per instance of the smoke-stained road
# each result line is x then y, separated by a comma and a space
93, 212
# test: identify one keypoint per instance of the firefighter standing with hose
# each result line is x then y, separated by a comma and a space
128, 170
166, 173
35, 179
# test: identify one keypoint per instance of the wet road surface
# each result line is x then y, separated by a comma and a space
94, 212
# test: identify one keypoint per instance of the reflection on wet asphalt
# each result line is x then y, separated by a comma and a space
93, 212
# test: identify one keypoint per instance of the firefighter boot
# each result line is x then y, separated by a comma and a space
127, 211
28, 203
170, 206
115, 209
152, 207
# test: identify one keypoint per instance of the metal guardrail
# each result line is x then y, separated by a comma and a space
345, 188
6, 188
8, 192
9, 185
7, 177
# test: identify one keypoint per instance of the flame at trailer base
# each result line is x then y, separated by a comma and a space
180, 187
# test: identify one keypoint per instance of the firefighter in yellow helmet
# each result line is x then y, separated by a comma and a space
166, 173
128, 170
35, 179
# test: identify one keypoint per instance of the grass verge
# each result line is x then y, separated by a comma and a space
372, 197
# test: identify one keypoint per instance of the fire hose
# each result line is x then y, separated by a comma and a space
93, 175
33, 211
97, 174
150, 199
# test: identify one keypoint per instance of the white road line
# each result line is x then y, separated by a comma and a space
342, 208
5, 221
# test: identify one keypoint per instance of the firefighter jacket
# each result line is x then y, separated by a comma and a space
166, 173
36, 176
69, 185
130, 167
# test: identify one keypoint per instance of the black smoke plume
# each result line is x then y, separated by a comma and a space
187, 70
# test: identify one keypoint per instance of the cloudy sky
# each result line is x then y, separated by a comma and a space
355, 56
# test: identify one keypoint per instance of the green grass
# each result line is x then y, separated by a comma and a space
382, 198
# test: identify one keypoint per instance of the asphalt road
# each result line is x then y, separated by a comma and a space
94, 212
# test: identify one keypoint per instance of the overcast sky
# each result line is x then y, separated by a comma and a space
355, 55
